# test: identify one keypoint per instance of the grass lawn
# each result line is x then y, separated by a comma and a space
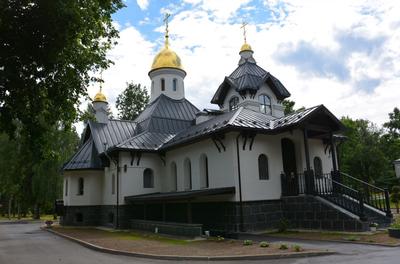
380, 237
149, 243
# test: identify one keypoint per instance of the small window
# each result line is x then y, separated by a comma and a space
174, 177
263, 167
204, 180
81, 186
162, 85
79, 217
125, 168
148, 178
233, 103
187, 174
66, 187
265, 104
318, 167
113, 184
174, 84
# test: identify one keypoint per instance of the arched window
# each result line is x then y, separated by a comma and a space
233, 103
265, 104
81, 186
318, 167
204, 180
162, 85
174, 84
66, 187
174, 177
187, 166
148, 178
113, 184
263, 167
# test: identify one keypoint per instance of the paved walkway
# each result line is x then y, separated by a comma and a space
26, 243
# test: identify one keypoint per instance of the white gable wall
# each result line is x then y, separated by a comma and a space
252, 103
92, 188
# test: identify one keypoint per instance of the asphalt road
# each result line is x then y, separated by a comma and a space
27, 244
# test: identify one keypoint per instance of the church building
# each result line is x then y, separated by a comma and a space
243, 166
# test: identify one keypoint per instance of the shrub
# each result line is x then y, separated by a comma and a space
283, 225
297, 248
247, 242
264, 244
395, 225
220, 238
283, 247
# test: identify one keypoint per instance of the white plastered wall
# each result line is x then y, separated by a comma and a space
92, 192
255, 189
221, 165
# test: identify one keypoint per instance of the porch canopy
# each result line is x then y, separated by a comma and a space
174, 196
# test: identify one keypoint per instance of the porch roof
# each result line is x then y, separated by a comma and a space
184, 195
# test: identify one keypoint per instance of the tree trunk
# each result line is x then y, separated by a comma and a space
19, 211
9, 208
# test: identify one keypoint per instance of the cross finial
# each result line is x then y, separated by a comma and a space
244, 24
166, 17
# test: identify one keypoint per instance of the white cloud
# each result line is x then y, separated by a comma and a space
362, 36
143, 4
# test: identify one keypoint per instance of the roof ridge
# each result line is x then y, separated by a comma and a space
240, 109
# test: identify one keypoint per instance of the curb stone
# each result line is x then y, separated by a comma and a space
174, 257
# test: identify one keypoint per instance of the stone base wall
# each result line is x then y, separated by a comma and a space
305, 212
308, 212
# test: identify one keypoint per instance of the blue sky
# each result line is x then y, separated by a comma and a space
343, 54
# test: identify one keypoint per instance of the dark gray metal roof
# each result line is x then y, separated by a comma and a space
112, 133
244, 118
146, 141
248, 76
179, 195
85, 158
166, 115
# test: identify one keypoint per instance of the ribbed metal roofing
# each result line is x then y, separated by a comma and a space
241, 118
85, 158
146, 141
112, 133
249, 76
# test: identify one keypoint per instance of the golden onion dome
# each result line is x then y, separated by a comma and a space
100, 97
166, 58
245, 47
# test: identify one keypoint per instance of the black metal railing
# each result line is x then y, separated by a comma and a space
374, 196
340, 194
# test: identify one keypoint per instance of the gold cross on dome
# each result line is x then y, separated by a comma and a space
244, 24
166, 17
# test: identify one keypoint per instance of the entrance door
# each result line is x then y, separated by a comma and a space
290, 184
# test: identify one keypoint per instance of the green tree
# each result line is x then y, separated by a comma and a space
394, 123
289, 107
395, 197
362, 155
48, 49
131, 102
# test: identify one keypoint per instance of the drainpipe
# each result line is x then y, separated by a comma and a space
240, 184
116, 165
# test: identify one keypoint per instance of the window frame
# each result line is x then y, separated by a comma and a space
263, 104
81, 186
162, 84
151, 182
263, 169
233, 103
113, 184
174, 84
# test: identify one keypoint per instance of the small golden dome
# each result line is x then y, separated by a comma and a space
100, 97
166, 58
245, 47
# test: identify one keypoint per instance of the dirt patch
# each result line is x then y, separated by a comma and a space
380, 237
147, 243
